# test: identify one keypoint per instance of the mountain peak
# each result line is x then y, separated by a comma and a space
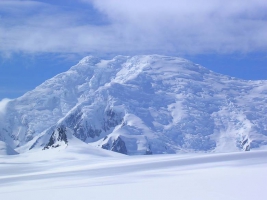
89, 60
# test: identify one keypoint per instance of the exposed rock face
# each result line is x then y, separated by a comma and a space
86, 130
57, 139
117, 145
245, 144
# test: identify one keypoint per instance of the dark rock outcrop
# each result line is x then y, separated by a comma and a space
117, 145
57, 138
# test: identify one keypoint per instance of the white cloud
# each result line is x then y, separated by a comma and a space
191, 26
137, 26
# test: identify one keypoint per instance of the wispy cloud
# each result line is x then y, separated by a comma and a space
3, 104
136, 26
190, 26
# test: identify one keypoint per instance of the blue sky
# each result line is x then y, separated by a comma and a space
39, 39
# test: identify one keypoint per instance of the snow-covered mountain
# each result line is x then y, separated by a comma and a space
139, 105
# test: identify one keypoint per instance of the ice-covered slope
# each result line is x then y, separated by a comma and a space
141, 105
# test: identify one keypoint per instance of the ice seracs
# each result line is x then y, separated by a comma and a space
148, 104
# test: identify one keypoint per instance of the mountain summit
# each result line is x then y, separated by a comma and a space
147, 104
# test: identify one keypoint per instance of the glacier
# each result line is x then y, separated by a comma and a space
139, 105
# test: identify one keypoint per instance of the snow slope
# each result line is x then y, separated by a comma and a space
6, 149
101, 174
148, 104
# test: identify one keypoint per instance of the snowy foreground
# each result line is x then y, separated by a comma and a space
98, 174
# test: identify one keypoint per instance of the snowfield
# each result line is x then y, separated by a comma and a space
76, 173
